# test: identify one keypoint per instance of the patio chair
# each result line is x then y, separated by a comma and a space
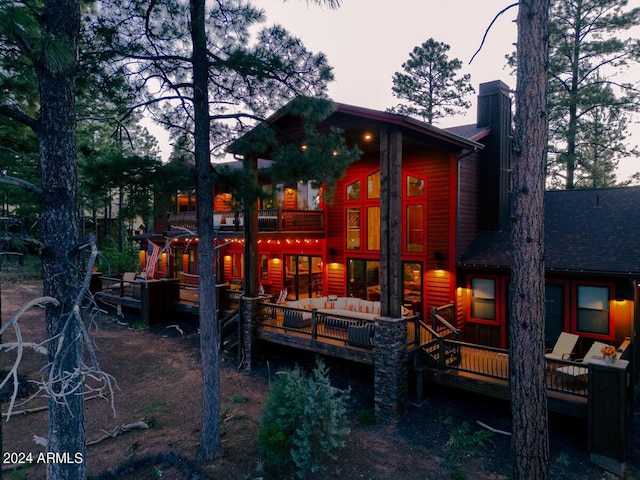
578, 371
563, 349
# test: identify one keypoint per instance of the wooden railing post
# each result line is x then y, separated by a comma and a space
314, 323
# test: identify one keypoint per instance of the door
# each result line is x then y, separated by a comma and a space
553, 313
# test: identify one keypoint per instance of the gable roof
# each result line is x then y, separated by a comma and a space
594, 230
353, 119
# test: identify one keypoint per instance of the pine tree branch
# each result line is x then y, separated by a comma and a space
486, 32
18, 182
18, 115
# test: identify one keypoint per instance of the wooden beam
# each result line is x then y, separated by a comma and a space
391, 278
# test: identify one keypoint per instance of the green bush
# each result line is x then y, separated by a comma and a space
112, 262
303, 422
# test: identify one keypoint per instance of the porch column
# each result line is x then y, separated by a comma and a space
249, 302
249, 309
250, 165
390, 369
391, 278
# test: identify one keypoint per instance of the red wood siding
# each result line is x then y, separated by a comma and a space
336, 274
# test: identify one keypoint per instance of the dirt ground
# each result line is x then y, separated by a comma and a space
158, 377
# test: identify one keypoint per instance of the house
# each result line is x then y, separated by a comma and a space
417, 226
453, 230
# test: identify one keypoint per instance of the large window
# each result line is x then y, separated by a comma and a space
363, 213
373, 228
303, 276
414, 200
364, 279
592, 314
415, 228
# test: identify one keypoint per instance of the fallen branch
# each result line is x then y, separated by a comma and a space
491, 429
119, 430
27, 411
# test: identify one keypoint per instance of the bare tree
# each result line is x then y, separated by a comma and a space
530, 442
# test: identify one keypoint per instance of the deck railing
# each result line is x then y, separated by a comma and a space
317, 325
441, 346
269, 220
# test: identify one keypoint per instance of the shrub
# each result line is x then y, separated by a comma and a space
304, 420
112, 261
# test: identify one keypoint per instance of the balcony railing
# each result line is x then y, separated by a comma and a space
269, 220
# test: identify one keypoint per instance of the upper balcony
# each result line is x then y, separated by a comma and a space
271, 220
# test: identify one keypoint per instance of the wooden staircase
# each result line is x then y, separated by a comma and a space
432, 351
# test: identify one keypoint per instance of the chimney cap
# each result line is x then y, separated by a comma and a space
491, 88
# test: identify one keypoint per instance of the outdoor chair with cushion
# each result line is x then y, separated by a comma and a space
563, 349
577, 371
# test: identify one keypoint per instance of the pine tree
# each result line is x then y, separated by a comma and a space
530, 440
430, 84
587, 56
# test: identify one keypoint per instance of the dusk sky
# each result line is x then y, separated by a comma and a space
366, 42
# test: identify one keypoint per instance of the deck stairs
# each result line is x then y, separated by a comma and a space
431, 349
229, 330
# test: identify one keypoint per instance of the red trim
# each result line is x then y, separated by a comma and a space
499, 302
574, 310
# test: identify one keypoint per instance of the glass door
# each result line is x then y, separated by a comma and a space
303, 276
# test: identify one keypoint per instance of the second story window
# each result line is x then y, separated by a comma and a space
363, 213
414, 200
353, 228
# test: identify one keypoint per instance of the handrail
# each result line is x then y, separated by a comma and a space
436, 317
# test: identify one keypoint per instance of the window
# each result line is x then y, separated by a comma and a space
353, 228
191, 261
353, 191
264, 267
414, 226
363, 214
364, 279
373, 185
592, 315
415, 186
236, 265
483, 299
412, 286
373, 228
414, 201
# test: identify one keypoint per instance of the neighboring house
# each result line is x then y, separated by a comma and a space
454, 191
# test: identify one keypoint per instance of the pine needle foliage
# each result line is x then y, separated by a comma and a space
303, 422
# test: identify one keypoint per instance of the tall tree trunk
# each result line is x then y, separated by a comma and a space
530, 442
210, 446
56, 131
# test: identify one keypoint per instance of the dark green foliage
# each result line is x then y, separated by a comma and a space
114, 262
589, 100
303, 421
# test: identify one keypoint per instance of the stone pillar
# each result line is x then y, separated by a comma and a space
249, 310
608, 410
390, 369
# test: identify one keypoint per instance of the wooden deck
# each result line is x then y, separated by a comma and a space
469, 367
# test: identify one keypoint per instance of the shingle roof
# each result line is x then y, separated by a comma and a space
595, 230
